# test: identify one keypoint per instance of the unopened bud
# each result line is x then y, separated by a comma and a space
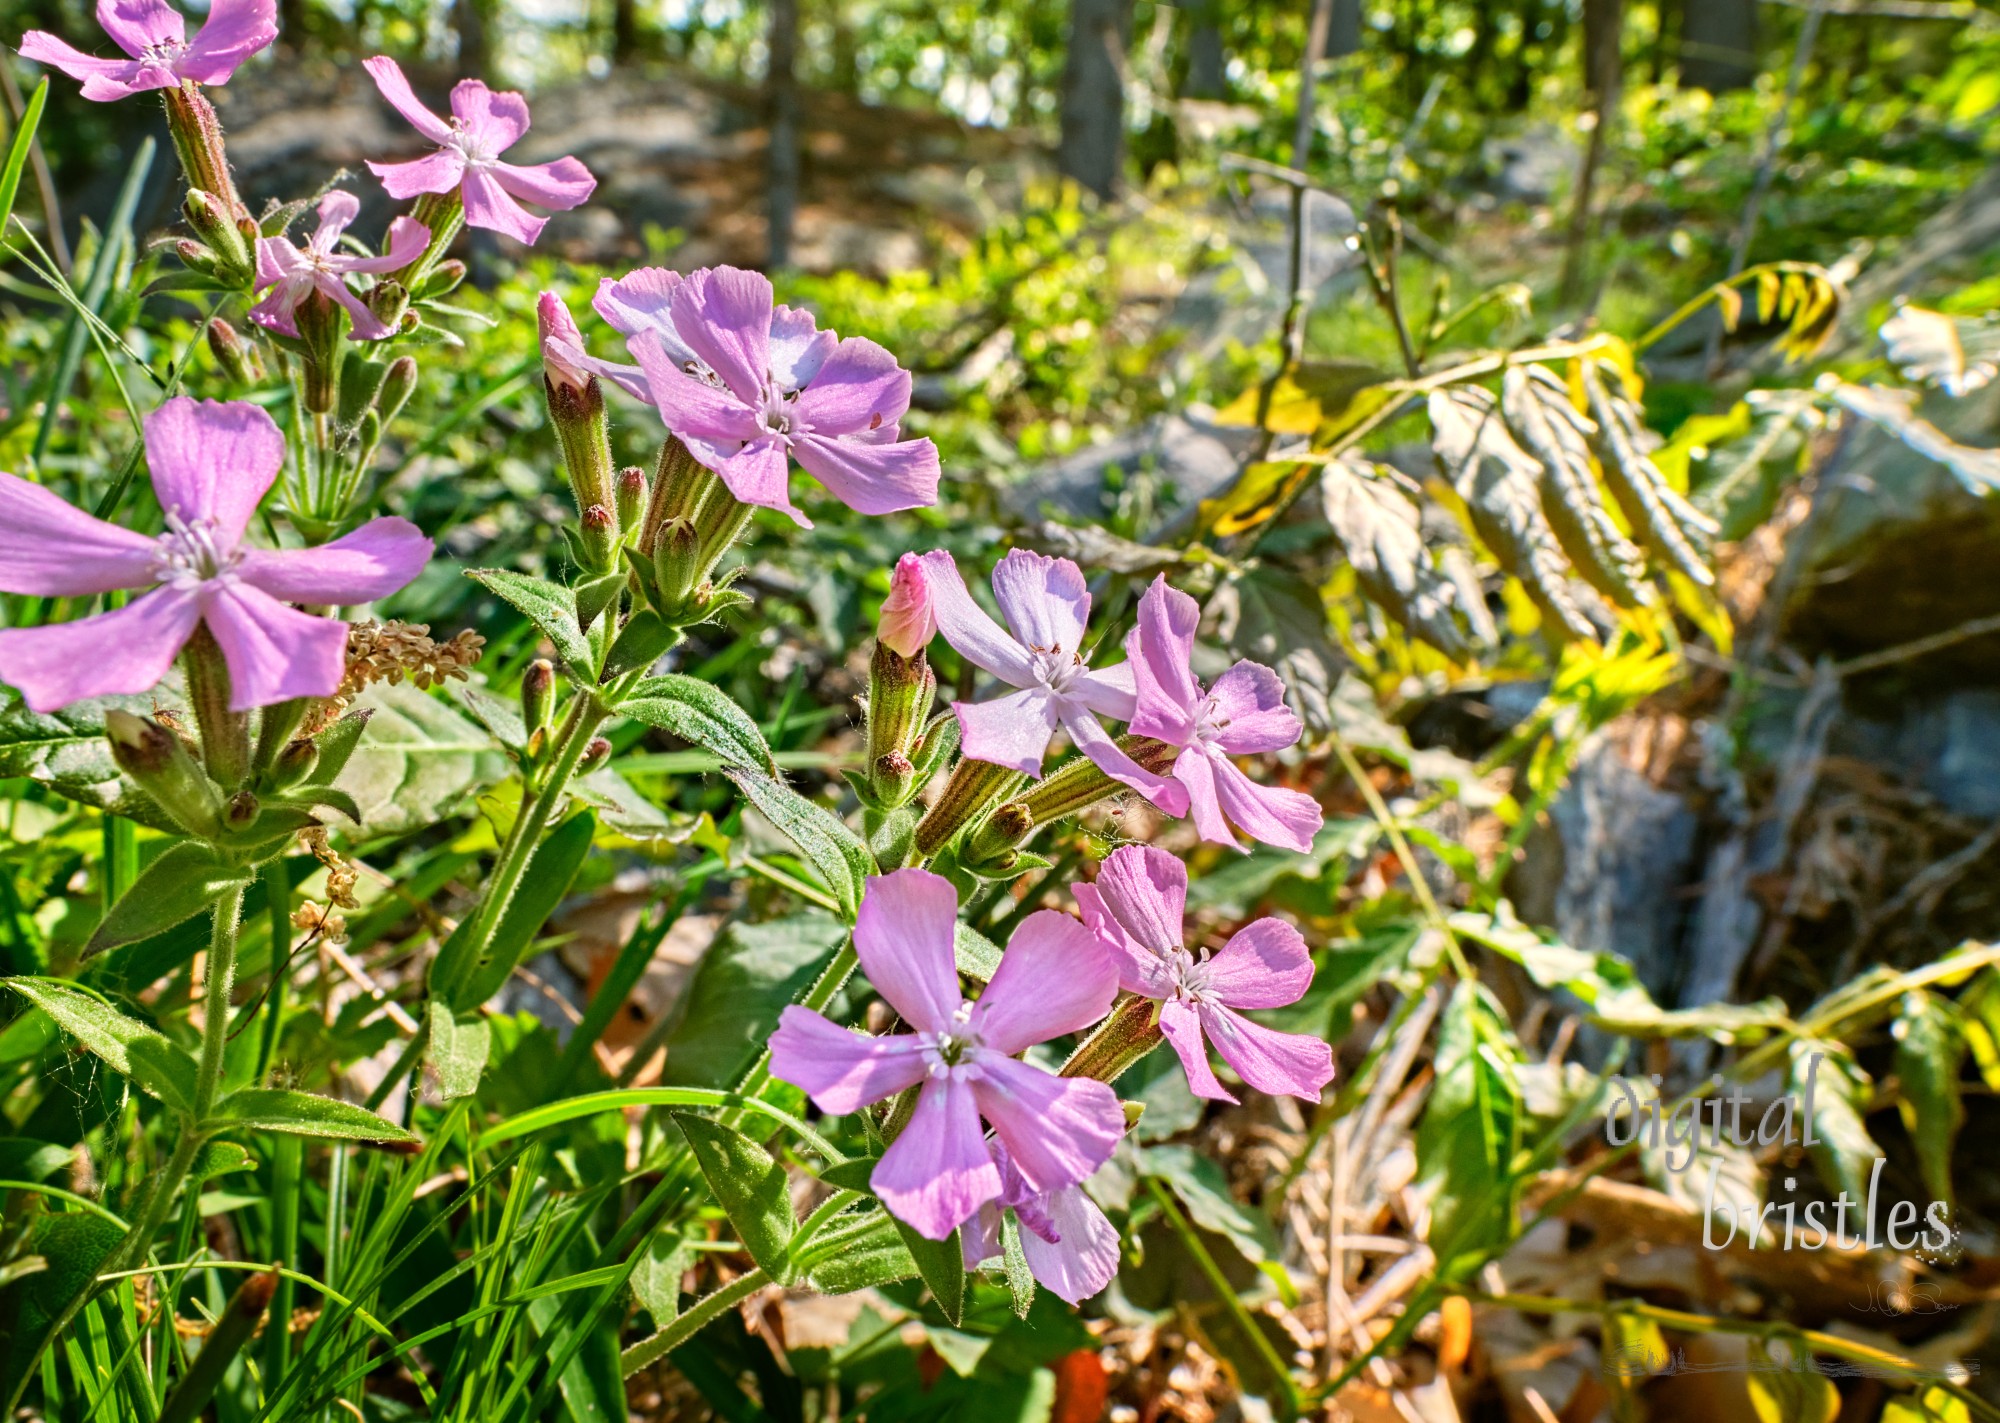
676, 565
538, 694
892, 779
194, 255
594, 755
237, 359
295, 762
995, 840
1132, 1031
159, 761
443, 279
679, 483
631, 496
389, 301
720, 522
577, 412
900, 692
562, 343
215, 225
908, 621
600, 536
242, 811
321, 325
973, 786
396, 387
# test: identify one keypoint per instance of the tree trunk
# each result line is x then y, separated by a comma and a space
1093, 94
624, 31
475, 45
1603, 67
1208, 64
781, 87
1603, 21
1718, 44
1343, 34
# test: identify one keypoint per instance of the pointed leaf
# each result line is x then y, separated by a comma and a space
305, 1114
181, 881
643, 640
143, 1054
752, 1189
550, 607
840, 855
550, 872
701, 713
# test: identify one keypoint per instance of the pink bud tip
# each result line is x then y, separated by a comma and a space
562, 343
908, 621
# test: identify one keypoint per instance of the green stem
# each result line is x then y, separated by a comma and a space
215, 1004
1225, 1292
278, 910
690, 1322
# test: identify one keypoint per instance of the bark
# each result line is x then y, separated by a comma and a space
782, 93
1208, 64
1718, 44
624, 31
1603, 61
1093, 94
1343, 34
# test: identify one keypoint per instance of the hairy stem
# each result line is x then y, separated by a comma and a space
690, 1322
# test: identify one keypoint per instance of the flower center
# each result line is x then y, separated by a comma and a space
956, 1047
192, 552
1058, 670
1209, 722
1190, 975
474, 154
166, 52
777, 416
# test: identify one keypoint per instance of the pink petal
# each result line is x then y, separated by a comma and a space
489, 122
560, 185
1083, 1258
136, 26
1054, 979
277, 258
407, 240
758, 474
1108, 691
388, 77
629, 379
104, 80
124, 652
1043, 599
1012, 731
374, 561
1264, 965
870, 478
690, 406
968, 628
213, 461
274, 652
859, 387
337, 211
489, 206
1275, 1063
937, 1174
234, 30
1140, 969
1286, 818
907, 624
905, 934
1160, 651
1183, 1032
798, 348
367, 325
1250, 699
438, 172
1058, 1130
842, 1071
1145, 890
724, 315
1111, 758
278, 311
979, 1237
53, 548
1196, 772
642, 300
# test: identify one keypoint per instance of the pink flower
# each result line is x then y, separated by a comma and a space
1070, 1247
1054, 979
1046, 604
1243, 714
908, 621
211, 464
748, 387
563, 358
294, 273
483, 126
1136, 909
153, 33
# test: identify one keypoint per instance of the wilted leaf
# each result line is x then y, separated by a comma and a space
1660, 518
1272, 615
1958, 357
1832, 1090
1313, 397
1896, 411
1381, 529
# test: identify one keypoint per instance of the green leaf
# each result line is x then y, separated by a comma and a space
75, 1246
336, 746
1471, 1129
141, 1053
17, 160
550, 872
219, 1158
640, 643
305, 1114
1014, 1260
181, 881
839, 854
752, 1189
1929, 1053
499, 715
419, 763
66, 751
851, 1175
978, 956
1204, 1190
701, 713
859, 1253
743, 983
941, 1264
1826, 1077
550, 607
594, 595
460, 1043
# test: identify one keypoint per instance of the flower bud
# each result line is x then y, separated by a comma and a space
677, 567
197, 138
721, 521
538, 694
242, 811
679, 483
296, 762
238, 360
562, 343
391, 302
996, 838
973, 786
397, 384
600, 537
1132, 1031
443, 279
908, 621
631, 496
216, 226
892, 780
195, 256
576, 409
594, 755
159, 761
322, 324
900, 691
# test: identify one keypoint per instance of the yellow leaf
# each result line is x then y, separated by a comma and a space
1254, 499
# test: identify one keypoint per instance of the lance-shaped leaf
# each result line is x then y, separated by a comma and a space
1896, 411
139, 1052
752, 1189
304, 1114
1832, 1093
457, 1046
1497, 481
1381, 529
940, 1263
1471, 1128
550, 872
1929, 1053
702, 713
1538, 410
1661, 519
181, 881
859, 1253
640, 643
336, 746
841, 856
1958, 357
549, 606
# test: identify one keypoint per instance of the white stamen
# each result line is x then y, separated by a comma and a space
192, 552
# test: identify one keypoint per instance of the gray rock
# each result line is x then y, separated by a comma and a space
1187, 454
